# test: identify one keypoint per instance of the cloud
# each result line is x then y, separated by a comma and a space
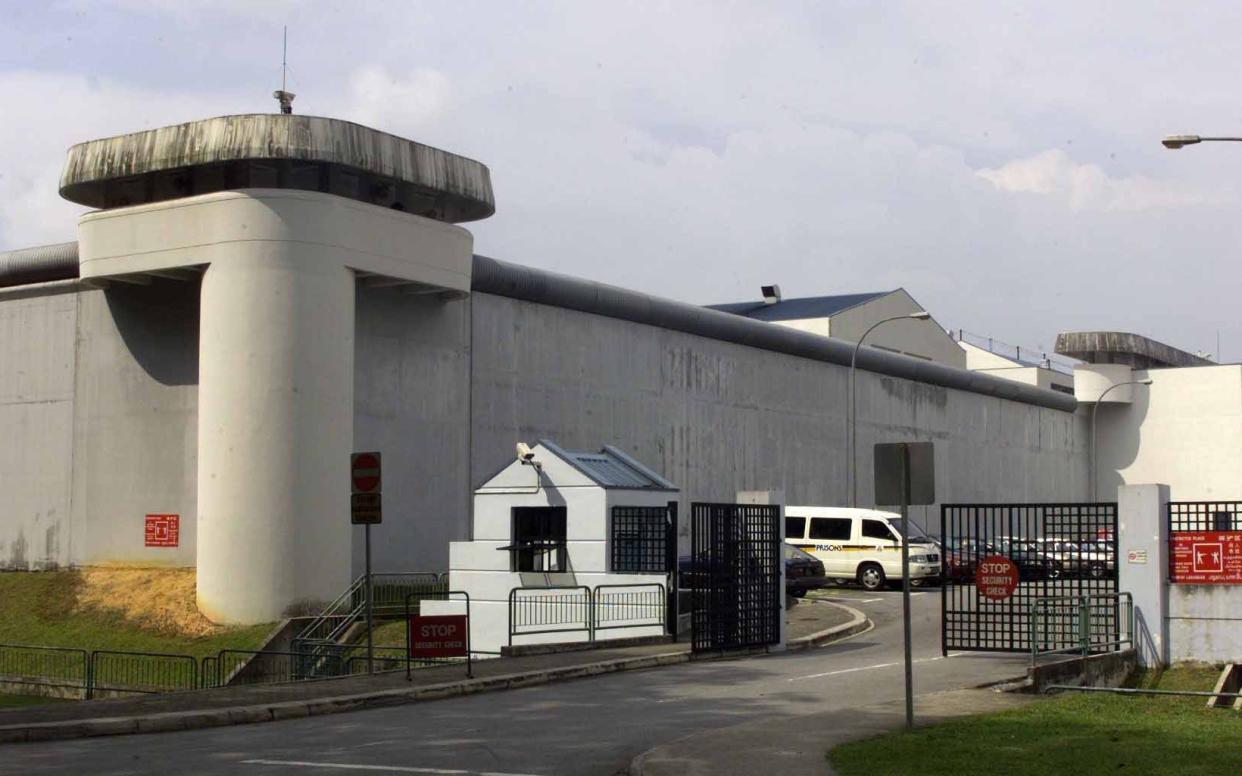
58, 110
1087, 187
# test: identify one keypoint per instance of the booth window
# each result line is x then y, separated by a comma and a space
538, 539
639, 539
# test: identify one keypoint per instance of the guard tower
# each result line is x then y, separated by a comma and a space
280, 214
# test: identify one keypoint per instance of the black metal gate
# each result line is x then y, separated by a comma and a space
734, 575
1063, 553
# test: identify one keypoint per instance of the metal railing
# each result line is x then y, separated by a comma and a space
629, 606
326, 633
246, 666
570, 609
552, 609
140, 672
39, 666
389, 590
1081, 625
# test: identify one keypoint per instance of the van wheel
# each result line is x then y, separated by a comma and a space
871, 576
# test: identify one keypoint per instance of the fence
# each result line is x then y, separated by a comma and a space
140, 672
1082, 624
571, 609
628, 606
1205, 542
35, 666
554, 609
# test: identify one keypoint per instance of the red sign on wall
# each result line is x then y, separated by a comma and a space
441, 635
162, 531
1207, 557
996, 578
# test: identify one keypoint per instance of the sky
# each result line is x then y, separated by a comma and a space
1000, 161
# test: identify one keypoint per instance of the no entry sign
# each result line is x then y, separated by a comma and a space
996, 578
442, 635
364, 472
1207, 557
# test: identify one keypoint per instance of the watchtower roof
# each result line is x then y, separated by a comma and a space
277, 151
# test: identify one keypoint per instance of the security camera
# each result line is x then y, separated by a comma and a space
524, 453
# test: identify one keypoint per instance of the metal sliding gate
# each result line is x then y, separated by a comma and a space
1063, 552
734, 575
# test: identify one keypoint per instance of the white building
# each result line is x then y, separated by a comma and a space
849, 316
548, 533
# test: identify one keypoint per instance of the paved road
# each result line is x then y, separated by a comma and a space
589, 727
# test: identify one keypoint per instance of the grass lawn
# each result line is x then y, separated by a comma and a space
1070, 733
47, 608
27, 700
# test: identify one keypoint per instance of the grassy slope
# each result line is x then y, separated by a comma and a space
41, 608
1069, 734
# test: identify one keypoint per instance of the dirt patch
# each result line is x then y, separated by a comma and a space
161, 600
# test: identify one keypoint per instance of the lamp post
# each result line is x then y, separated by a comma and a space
1094, 447
1175, 142
921, 315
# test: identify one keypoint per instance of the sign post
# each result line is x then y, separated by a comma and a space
365, 508
905, 474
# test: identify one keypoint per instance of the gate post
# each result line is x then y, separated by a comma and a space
1143, 566
776, 497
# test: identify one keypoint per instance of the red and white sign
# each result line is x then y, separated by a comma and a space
364, 472
1207, 557
441, 635
162, 531
996, 578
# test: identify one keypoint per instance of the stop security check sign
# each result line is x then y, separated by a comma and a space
441, 635
996, 578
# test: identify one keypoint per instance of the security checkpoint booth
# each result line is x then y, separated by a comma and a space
567, 547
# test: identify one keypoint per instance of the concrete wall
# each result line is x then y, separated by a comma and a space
1185, 429
1205, 623
717, 418
97, 414
38, 325
135, 425
714, 417
412, 366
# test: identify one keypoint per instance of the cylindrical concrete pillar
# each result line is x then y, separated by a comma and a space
275, 428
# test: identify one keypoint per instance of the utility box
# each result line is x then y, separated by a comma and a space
568, 547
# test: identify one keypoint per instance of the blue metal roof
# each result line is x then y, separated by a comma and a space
611, 468
798, 309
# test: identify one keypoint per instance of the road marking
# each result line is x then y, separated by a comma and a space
381, 768
856, 600
860, 668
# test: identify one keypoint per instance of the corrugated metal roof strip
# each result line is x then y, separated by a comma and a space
611, 468
500, 278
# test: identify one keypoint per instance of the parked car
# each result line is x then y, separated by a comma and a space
1080, 559
1032, 562
803, 572
860, 545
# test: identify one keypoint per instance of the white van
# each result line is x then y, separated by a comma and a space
860, 544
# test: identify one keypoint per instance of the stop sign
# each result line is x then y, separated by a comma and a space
364, 470
996, 578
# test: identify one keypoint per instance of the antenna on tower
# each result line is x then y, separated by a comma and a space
285, 98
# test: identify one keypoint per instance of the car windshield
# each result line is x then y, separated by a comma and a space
898, 525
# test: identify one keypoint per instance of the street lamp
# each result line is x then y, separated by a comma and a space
1175, 142
921, 315
1095, 407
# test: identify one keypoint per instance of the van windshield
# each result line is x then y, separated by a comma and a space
899, 525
